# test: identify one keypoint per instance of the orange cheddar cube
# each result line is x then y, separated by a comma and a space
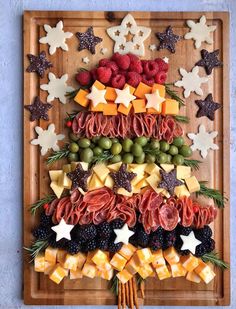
143, 256
110, 109
160, 88
81, 98
99, 85
51, 255
110, 94
163, 272
154, 111
131, 89
106, 274
48, 268
105, 266
158, 258
127, 251
39, 263
71, 261
171, 256
178, 270
61, 255
193, 277
123, 109
118, 262
90, 255
205, 272
189, 262
76, 274
100, 257
139, 106
170, 107
141, 90
145, 271
132, 267
124, 276
98, 108
89, 270
58, 273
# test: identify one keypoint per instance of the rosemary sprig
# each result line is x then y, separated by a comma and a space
174, 95
148, 150
183, 119
72, 94
194, 164
71, 116
58, 155
213, 257
218, 198
36, 248
114, 284
38, 204
105, 156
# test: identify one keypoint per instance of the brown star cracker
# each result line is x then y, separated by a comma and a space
209, 60
169, 181
79, 178
88, 40
122, 178
207, 107
38, 64
38, 109
168, 39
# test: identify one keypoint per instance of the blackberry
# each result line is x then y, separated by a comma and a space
102, 244
142, 238
178, 245
41, 233
200, 250
87, 232
90, 245
203, 234
169, 239
45, 220
112, 247
104, 230
62, 243
156, 241
182, 230
117, 224
133, 240
209, 245
73, 247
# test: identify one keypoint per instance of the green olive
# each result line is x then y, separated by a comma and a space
73, 157
73, 147
116, 159
164, 146
185, 151
141, 140
95, 139
137, 150
127, 144
150, 158
155, 144
140, 159
73, 137
116, 148
178, 141
128, 158
162, 158
84, 142
105, 143
97, 151
86, 155
173, 150
114, 140
169, 158
178, 160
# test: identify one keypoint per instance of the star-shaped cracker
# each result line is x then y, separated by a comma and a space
209, 60
152, 47
168, 39
47, 139
154, 100
129, 28
38, 64
87, 40
55, 37
203, 140
169, 181
79, 178
85, 60
57, 88
207, 107
97, 96
191, 81
199, 32
122, 178
38, 109
124, 96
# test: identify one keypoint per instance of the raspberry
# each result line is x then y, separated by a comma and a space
132, 57
133, 79
150, 68
118, 81
93, 73
113, 66
123, 72
104, 74
163, 66
148, 81
84, 78
144, 62
103, 62
123, 62
136, 66
160, 77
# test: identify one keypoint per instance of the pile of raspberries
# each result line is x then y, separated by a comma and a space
121, 69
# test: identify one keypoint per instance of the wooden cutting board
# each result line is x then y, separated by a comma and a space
38, 289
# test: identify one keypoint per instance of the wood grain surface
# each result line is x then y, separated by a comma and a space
38, 289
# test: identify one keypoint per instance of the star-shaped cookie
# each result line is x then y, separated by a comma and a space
38, 64
207, 107
209, 60
169, 181
168, 39
38, 109
87, 40
79, 178
122, 178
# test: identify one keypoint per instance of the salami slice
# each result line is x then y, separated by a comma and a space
168, 217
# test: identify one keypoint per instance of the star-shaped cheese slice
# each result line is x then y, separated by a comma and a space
123, 234
85, 60
62, 230
124, 96
190, 242
154, 100
97, 96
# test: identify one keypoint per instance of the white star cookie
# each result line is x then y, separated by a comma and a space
128, 28
97, 96
190, 242
124, 96
199, 32
85, 60
123, 234
166, 59
152, 47
62, 230
154, 100
103, 50
203, 141
191, 81
57, 88
55, 37
47, 139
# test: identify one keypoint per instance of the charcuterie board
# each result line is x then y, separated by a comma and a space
37, 288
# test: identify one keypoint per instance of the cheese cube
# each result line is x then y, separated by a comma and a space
192, 184
118, 261
143, 256
100, 257
58, 190
72, 261
109, 182
132, 267
39, 263
145, 271
178, 270
137, 179
141, 184
66, 168
158, 258
183, 172
114, 167
99, 85
124, 276
95, 183
205, 272
124, 192
123, 109
110, 94
51, 254
106, 266
61, 255
137, 168
106, 274
152, 168
170, 107
160, 88
64, 181
48, 267
167, 167
153, 180
89, 257
81, 98
189, 262
181, 191
83, 164
110, 109
131, 89
89, 270
101, 171
192, 276
171, 255
76, 274
141, 90
139, 106
58, 273
55, 174
163, 272
127, 251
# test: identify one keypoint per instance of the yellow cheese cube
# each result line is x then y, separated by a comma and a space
153, 180
76, 274
48, 267
167, 167
81, 98
137, 179
183, 172
145, 271
104, 267
141, 184
109, 182
139, 169
205, 272
143, 256
51, 254
127, 251
171, 255
158, 258
89, 270
66, 168
118, 262
178, 270
58, 190
132, 267
114, 167
39, 263
55, 174
101, 171
64, 181
90, 255
61, 255
163, 272
95, 183
192, 184
170, 107
189, 262
124, 276
106, 274
192, 276
72, 261
181, 191
152, 168
58, 273
124, 192
100, 257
